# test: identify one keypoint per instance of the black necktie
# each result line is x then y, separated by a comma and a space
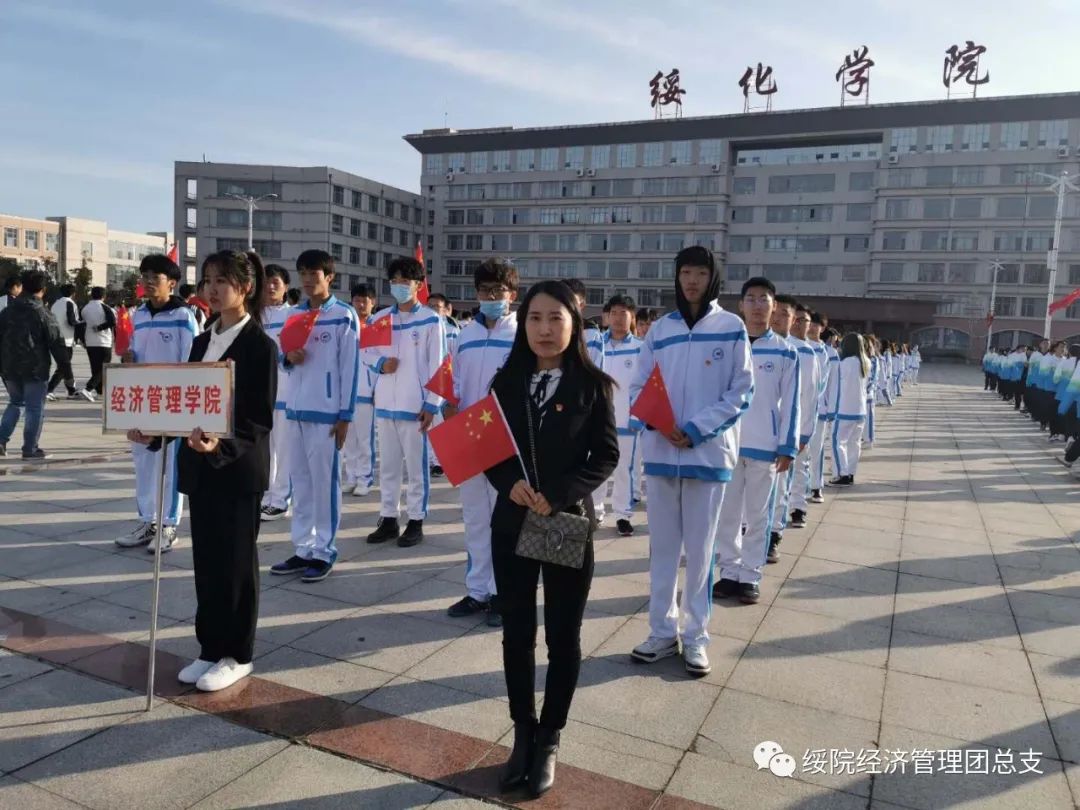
540, 395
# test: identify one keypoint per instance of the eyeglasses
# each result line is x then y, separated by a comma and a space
491, 291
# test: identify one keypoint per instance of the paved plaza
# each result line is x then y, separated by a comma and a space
932, 608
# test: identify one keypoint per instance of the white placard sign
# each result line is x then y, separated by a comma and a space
167, 399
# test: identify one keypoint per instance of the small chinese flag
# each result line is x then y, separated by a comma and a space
422, 293
653, 406
297, 330
174, 254
989, 318
380, 332
140, 290
442, 383
1063, 303
124, 330
473, 441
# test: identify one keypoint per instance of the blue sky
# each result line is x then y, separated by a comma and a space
101, 97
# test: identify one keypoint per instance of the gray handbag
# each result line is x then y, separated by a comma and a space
559, 538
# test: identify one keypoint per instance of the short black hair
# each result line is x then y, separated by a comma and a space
315, 259
829, 334
185, 290
406, 267
577, 287
277, 271
362, 290
34, 281
606, 308
496, 271
818, 318
293, 296
97, 293
758, 281
784, 298
696, 255
624, 301
160, 264
801, 307
644, 314
440, 297
66, 290
13, 282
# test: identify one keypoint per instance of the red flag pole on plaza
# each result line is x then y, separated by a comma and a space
653, 406
442, 382
422, 293
124, 330
1064, 303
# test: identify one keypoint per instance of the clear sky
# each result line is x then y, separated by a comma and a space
100, 97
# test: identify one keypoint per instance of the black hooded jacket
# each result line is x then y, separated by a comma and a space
711, 294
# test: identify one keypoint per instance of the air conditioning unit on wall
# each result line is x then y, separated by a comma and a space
894, 159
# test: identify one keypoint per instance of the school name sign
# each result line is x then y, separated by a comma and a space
165, 399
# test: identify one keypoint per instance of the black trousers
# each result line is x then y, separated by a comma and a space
223, 535
565, 592
990, 382
98, 357
64, 372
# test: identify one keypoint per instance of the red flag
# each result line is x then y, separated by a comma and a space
124, 330
1062, 303
473, 441
140, 290
653, 406
379, 332
989, 318
174, 254
422, 293
442, 382
297, 330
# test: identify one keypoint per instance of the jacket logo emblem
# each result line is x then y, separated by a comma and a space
767, 366
629, 363
415, 336
166, 337
718, 353
324, 337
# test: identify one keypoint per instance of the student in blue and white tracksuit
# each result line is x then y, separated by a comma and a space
870, 349
358, 454
704, 356
798, 476
163, 331
849, 409
827, 362
404, 409
593, 337
276, 500
885, 374
621, 352
481, 349
768, 444
440, 305
323, 378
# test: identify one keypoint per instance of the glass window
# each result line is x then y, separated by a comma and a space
740, 213
622, 188
939, 176
621, 213
433, 164
575, 157
931, 272
674, 213
474, 216
600, 157
1039, 240
1042, 206
793, 155
1014, 136
939, 139
893, 240
672, 242
339, 195
962, 273
550, 216
743, 185
654, 154
892, 271
1074, 275
476, 191
501, 216
619, 242
860, 181
936, 208
903, 140
798, 213
549, 160
680, 153
521, 216
711, 185
969, 175
571, 216
739, 244
336, 250
896, 208
651, 269
1005, 307
500, 161
710, 152
455, 241
933, 240
595, 269
354, 255
618, 269
801, 183
855, 244
30, 239
738, 272
51, 240
567, 242
859, 212
337, 223
596, 242
1053, 133
852, 272
500, 242
192, 188
964, 240
474, 241
900, 178
652, 187
626, 155
372, 232
975, 137
1032, 307
967, 207
651, 214
1008, 241
372, 259
526, 160
707, 213
192, 217
1011, 207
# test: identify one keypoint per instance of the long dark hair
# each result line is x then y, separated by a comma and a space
521, 362
852, 346
242, 269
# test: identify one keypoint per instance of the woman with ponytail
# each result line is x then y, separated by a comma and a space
225, 478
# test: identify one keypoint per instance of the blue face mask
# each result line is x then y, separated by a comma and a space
493, 310
401, 292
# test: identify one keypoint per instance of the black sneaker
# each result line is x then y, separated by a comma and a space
816, 496
466, 607
494, 617
437, 472
749, 593
842, 481
273, 513
3, 448
293, 565
316, 571
725, 588
774, 544
388, 530
37, 454
798, 519
625, 527
413, 534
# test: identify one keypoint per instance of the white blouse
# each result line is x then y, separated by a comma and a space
221, 341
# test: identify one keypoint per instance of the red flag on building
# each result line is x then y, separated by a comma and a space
442, 382
422, 293
297, 330
379, 332
475, 440
653, 406
124, 330
1063, 303
174, 253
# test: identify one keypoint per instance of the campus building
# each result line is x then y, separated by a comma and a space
888, 216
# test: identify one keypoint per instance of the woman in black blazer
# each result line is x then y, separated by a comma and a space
577, 449
225, 478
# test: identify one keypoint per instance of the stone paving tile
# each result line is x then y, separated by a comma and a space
441, 706
323, 676
16, 793
986, 665
15, 668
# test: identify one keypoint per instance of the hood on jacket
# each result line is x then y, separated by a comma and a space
702, 257
175, 302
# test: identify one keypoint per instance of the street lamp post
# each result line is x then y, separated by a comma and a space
251, 200
995, 266
1061, 183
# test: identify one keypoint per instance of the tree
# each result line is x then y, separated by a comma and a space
129, 285
83, 279
9, 268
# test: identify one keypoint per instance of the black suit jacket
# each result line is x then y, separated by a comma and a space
241, 465
577, 446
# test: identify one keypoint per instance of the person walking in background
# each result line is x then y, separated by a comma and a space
358, 454
849, 409
12, 290
100, 323
275, 311
29, 339
66, 314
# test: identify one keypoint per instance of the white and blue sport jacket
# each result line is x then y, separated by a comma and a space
273, 318
849, 402
710, 380
479, 353
828, 359
594, 345
163, 335
621, 364
419, 344
770, 427
809, 388
322, 389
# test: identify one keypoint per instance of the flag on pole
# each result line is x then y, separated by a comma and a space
297, 330
174, 253
124, 330
379, 332
653, 406
475, 440
1063, 303
442, 382
989, 318
422, 293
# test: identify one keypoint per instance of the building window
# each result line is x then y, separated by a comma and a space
336, 250
710, 153
962, 273
1038, 240
51, 241
549, 160
969, 175
892, 272
651, 270
87, 248
337, 223
575, 157
30, 239
354, 255
500, 161
939, 139
339, 195
1011, 207
739, 244
1014, 136
709, 213
1009, 240
674, 213
852, 272
860, 181
356, 228
900, 178
896, 208
1042, 206
931, 273
967, 207
964, 240
801, 183
626, 155
654, 154
859, 212
903, 140
894, 240
738, 272
433, 164
600, 157
191, 217
680, 153
619, 242
743, 185
1005, 307
855, 244
500, 242
933, 240
525, 160
939, 176
1053, 133
936, 208
798, 213
1032, 307
975, 138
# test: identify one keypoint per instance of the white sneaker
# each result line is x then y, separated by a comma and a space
50, 397
193, 671
696, 660
142, 534
347, 486
87, 395
361, 490
653, 649
223, 674
168, 540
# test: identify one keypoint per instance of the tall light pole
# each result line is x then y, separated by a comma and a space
251, 200
995, 266
1061, 184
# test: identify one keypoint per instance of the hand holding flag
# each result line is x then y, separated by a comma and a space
379, 332
475, 440
653, 406
297, 330
442, 382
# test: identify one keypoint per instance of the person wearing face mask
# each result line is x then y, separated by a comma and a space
404, 409
480, 351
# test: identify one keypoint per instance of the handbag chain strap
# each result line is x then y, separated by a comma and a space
532, 437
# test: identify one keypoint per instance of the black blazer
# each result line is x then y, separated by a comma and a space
577, 446
241, 465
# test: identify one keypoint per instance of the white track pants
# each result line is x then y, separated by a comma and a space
314, 466
683, 515
800, 484
280, 493
403, 448
817, 453
359, 450
477, 504
146, 484
869, 422
625, 481
846, 445
785, 482
749, 499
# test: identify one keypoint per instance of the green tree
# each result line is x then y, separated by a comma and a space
83, 279
130, 283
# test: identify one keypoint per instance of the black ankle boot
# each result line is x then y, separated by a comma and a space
542, 773
516, 770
